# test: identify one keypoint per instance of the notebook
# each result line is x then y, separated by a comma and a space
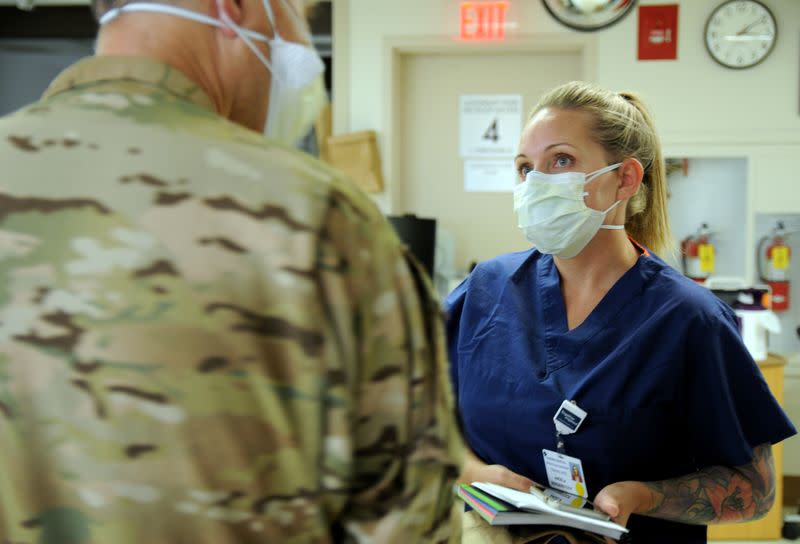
500, 505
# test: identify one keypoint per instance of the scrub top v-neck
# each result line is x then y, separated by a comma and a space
659, 366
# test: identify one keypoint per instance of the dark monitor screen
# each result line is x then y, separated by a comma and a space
36, 45
28, 65
419, 235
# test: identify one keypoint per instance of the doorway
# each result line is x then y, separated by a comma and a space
429, 172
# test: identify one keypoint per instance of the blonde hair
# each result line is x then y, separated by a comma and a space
624, 128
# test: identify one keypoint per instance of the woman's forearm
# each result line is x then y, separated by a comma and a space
717, 494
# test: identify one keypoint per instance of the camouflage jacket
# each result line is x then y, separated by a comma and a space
206, 336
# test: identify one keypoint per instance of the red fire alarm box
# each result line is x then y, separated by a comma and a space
658, 32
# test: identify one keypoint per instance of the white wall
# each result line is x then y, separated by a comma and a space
695, 94
699, 106
702, 110
722, 182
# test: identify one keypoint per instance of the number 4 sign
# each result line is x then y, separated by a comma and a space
491, 133
490, 125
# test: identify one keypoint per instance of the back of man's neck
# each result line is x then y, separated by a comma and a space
168, 46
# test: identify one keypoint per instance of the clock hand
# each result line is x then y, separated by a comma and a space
746, 29
747, 38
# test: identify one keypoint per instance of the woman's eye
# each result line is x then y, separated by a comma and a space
524, 170
562, 161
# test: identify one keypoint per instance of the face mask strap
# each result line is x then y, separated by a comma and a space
614, 205
271, 16
596, 173
298, 20
178, 12
247, 36
243, 34
612, 227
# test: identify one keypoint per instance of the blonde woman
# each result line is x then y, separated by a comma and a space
589, 349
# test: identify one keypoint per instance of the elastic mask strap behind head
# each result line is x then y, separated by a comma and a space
244, 35
178, 12
299, 20
247, 36
271, 16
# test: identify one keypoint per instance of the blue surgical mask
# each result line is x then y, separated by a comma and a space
553, 214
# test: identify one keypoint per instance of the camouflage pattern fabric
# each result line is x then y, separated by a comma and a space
205, 336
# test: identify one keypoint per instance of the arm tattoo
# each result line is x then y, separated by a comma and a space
717, 494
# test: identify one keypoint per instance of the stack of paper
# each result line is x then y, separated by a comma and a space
500, 505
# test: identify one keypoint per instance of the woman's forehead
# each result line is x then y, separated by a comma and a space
550, 126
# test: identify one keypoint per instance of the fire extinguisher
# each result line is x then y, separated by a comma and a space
773, 260
698, 254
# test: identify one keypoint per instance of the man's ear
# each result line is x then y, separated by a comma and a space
232, 9
631, 173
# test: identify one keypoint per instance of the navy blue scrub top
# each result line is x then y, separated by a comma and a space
659, 365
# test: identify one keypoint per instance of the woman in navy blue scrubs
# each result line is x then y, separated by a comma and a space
679, 422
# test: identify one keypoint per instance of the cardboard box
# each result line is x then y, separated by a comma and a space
356, 155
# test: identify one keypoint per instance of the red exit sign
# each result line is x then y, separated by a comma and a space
483, 21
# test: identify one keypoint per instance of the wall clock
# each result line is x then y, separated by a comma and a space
588, 15
740, 33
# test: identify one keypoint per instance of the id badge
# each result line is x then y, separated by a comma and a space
565, 473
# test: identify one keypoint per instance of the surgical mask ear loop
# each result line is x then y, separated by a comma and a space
612, 227
602, 171
274, 21
592, 177
271, 17
226, 19
152, 7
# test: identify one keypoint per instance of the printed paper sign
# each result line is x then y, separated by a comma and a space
490, 125
489, 175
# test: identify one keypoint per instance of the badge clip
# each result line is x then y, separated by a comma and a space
568, 418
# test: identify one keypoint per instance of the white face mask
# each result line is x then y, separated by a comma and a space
297, 92
553, 214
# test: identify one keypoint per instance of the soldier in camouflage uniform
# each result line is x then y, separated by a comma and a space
205, 336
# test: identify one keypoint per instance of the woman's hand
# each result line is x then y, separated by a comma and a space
622, 499
476, 470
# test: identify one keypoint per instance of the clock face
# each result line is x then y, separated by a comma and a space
740, 33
